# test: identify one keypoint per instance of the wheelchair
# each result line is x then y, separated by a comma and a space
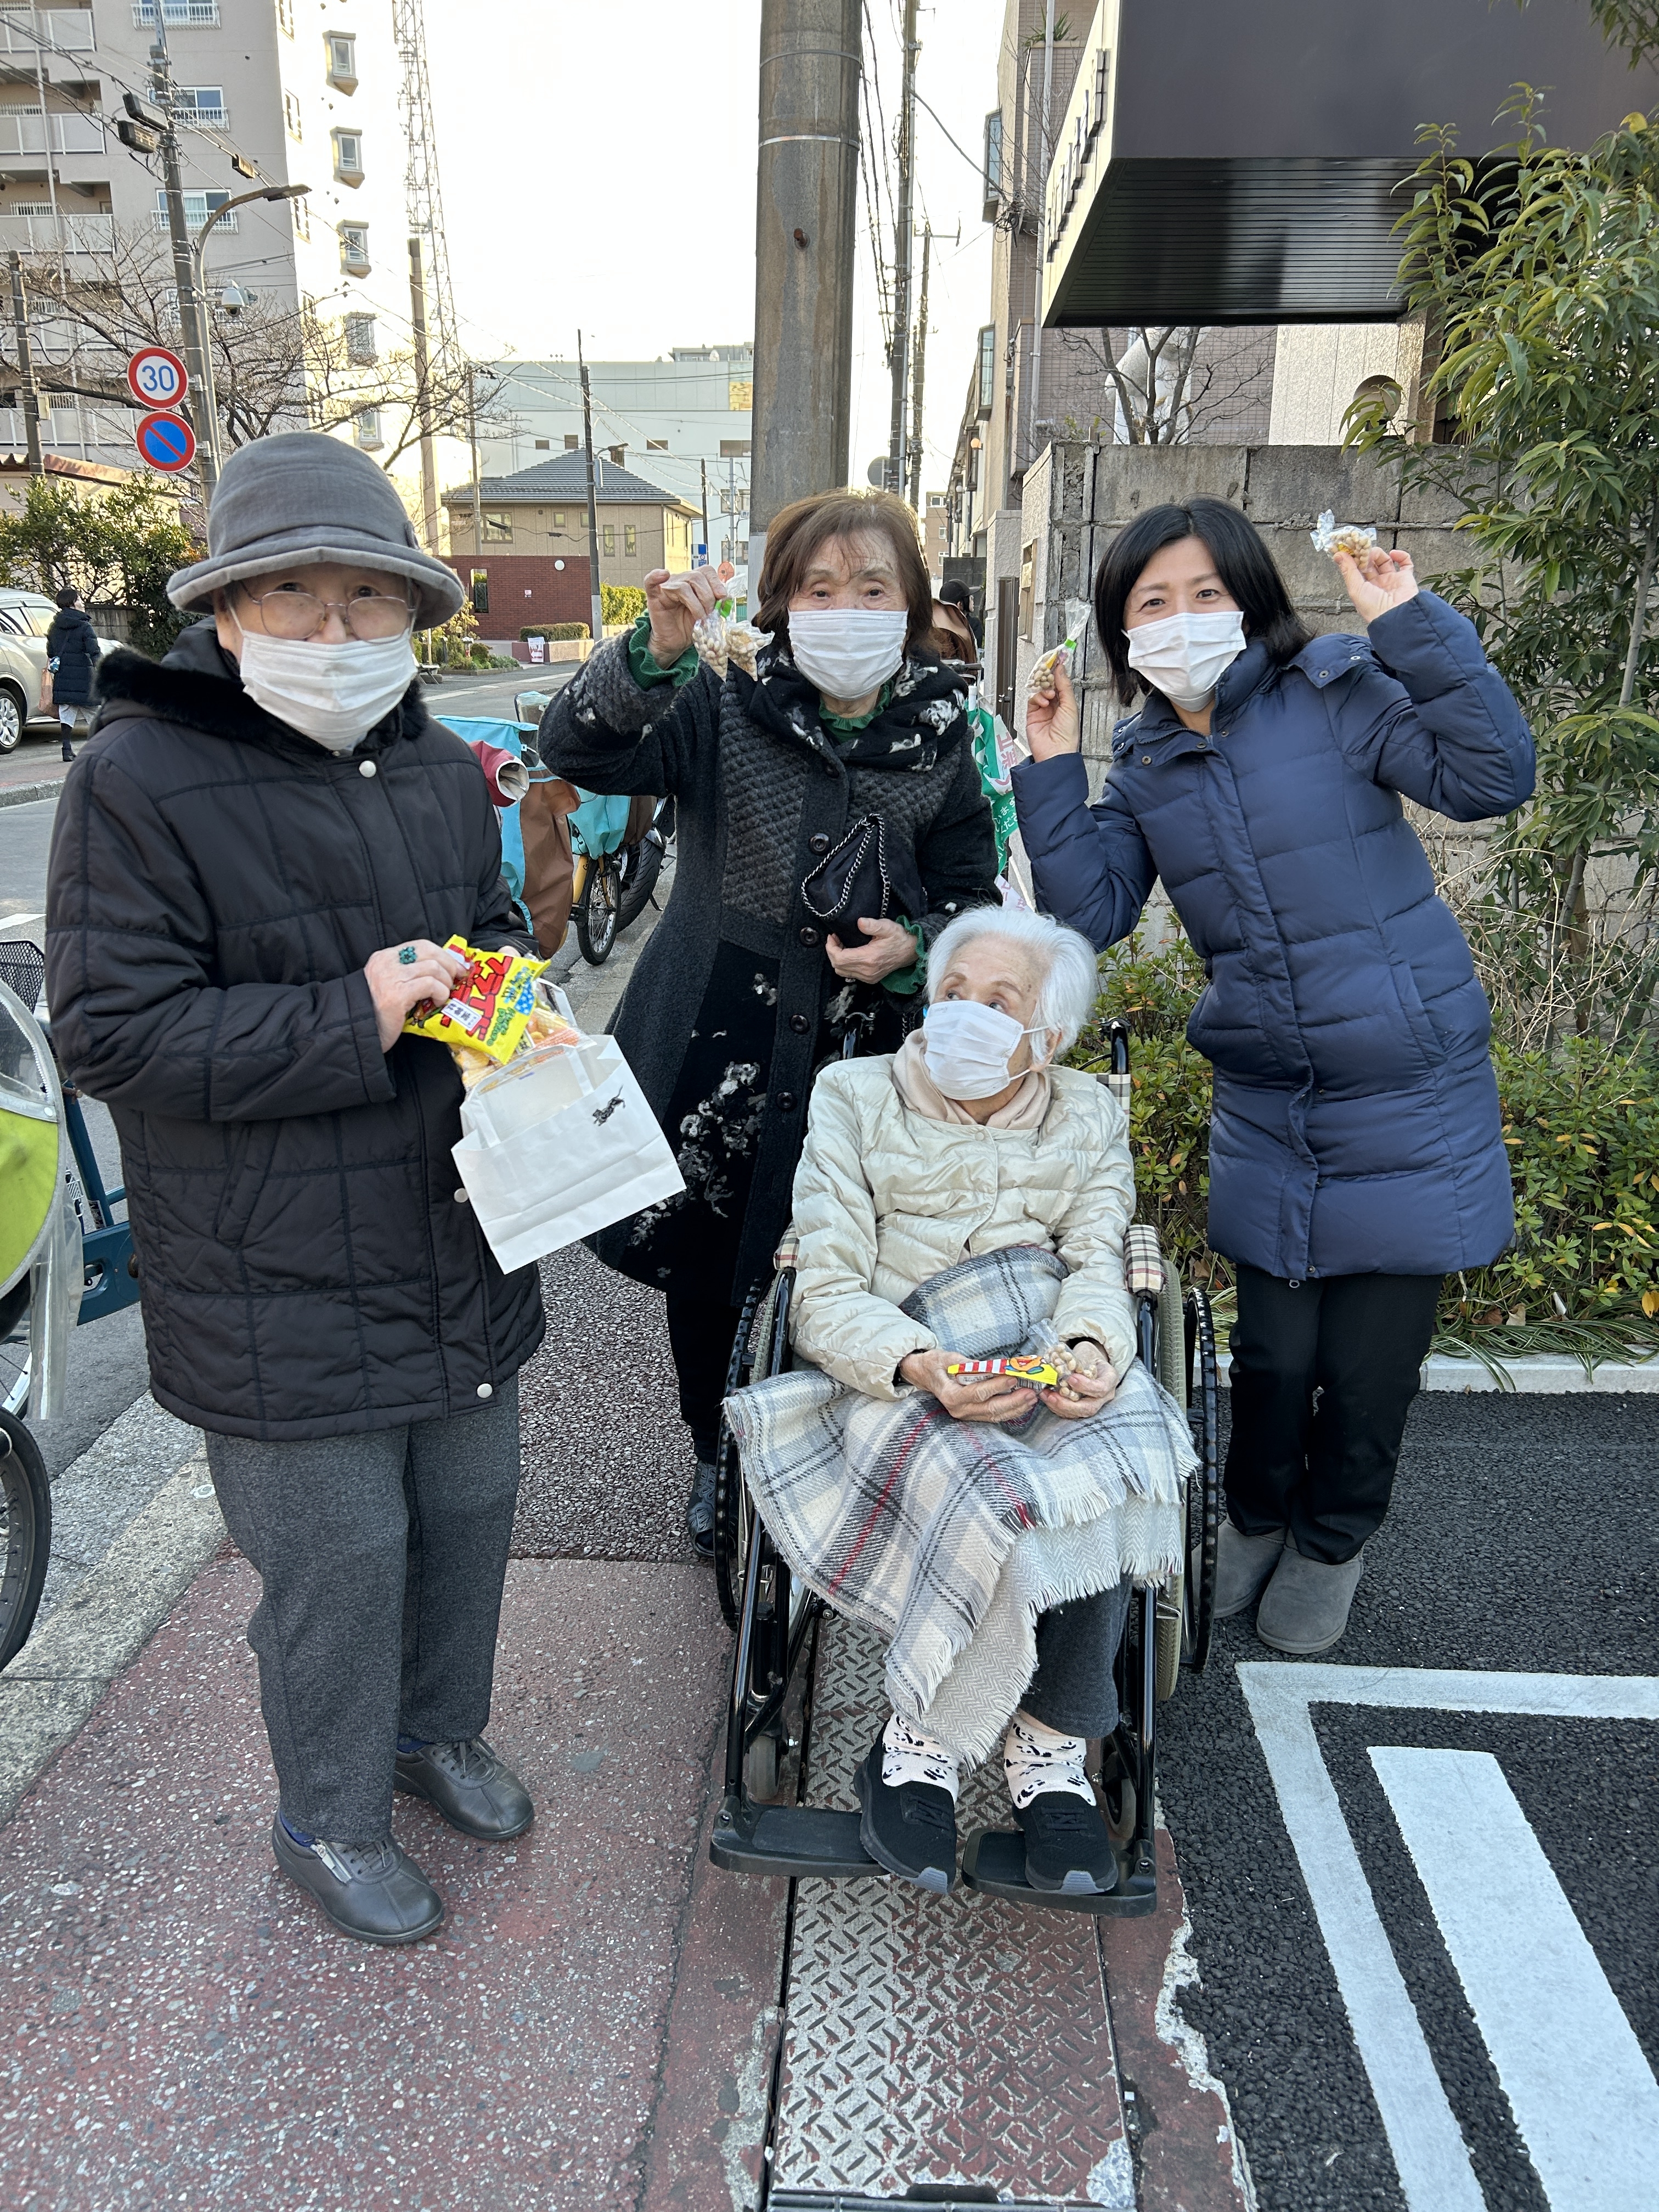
775, 1617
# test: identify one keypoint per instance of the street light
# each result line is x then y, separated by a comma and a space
208, 412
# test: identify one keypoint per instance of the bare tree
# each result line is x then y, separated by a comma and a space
1162, 387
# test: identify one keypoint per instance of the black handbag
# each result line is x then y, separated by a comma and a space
856, 881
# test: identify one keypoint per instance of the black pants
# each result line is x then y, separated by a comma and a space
1324, 1375
702, 1330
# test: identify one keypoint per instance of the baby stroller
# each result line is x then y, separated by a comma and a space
775, 1618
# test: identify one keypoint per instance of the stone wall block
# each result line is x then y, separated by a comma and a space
1297, 483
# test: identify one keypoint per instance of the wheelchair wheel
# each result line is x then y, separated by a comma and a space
731, 1500
1172, 1598
25, 1533
1204, 1484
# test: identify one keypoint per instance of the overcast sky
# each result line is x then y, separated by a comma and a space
598, 168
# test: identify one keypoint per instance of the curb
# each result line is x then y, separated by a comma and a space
20, 794
51, 1688
1535, 1374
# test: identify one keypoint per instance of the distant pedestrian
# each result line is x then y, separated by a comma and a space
255, 862
1356, 1150
958, 595
746, 987
72, 656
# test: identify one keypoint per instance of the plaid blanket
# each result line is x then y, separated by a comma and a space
949, 1538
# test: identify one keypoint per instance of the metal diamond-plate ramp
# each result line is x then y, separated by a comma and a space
959, 2040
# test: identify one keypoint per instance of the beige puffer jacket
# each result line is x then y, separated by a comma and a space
884, 1199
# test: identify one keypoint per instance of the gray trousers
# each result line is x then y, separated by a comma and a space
1073, 1689
381, 1557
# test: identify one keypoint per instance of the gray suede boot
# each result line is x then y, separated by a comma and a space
1304, 1608
1242, 1563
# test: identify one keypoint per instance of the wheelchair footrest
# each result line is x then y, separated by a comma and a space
788, 1840
994, 1862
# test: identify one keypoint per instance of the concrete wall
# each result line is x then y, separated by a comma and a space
1078, 498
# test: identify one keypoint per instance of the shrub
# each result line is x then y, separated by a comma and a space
620, 603
1581, 1122
554, 632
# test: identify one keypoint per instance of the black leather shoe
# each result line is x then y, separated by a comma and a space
700, 1510
1067, 1847
471, 1788
910, 1830
372, 1891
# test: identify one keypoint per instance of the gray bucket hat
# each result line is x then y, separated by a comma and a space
302, 496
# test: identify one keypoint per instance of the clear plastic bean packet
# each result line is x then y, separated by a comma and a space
722, 641
1045, 662
1330, 536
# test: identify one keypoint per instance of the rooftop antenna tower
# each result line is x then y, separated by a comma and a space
439, 367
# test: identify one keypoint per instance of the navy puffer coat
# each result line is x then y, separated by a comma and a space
1356, 1126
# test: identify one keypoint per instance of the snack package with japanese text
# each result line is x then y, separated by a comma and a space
498, 1008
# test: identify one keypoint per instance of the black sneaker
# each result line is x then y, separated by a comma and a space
910, 1830
474, 1790
699, 1510
1067, 1847
372, 1891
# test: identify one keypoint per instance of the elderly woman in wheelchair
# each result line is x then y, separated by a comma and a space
965, 1200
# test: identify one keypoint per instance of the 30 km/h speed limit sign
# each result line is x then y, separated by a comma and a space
166, 441
157, 377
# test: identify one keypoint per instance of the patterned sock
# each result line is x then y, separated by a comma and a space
1036, 1758
908, 1757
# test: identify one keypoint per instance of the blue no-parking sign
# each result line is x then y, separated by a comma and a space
166, 441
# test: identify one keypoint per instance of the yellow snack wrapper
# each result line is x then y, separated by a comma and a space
487, 1014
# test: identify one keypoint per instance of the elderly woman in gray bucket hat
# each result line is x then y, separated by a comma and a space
257, 860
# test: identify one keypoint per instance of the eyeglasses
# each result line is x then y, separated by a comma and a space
301, 614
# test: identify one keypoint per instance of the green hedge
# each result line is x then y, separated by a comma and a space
1581, 1122
559, 633
620, 603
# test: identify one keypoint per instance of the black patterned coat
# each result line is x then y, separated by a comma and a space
734, 1003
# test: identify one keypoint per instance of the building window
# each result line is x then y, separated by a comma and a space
366, 427
558, 518
285, 17
291, 114
203, 104
348, 156
480, 582
988, 370
993, 163
571, 441
354, 248
341, 60
544, 445
198, 206
656, 445
630, 541
498, 527
610, 542
301, 214
362, 351
734, 449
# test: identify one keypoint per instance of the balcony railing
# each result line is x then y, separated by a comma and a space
25, 131
177, 11
195, 215
38, 233
68, 30
200, 118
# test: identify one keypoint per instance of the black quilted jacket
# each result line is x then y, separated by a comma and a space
216, 883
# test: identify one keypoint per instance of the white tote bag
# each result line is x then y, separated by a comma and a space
558, 1144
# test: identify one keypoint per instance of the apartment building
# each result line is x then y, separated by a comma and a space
306, 89
541, 513
676, 418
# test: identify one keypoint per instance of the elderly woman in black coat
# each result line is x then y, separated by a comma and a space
72, 656
256, 864
760, 966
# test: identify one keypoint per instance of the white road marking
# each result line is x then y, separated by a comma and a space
16, 921
1584, 2095
1429, 2151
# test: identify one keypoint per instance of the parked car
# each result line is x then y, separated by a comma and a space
25, 619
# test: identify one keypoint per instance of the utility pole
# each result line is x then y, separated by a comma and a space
919, 377
190, 318
899, 359
473, 440
703, 465
807, 211
20, 319
423, 390
1043, 158
593, 504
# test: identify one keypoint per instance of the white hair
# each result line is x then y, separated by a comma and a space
1064, 957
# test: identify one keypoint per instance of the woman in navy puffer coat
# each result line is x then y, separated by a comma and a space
1356, 1150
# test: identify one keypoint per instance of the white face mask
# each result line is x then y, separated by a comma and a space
1183, 656
970, 1047
334, 694
848, 651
